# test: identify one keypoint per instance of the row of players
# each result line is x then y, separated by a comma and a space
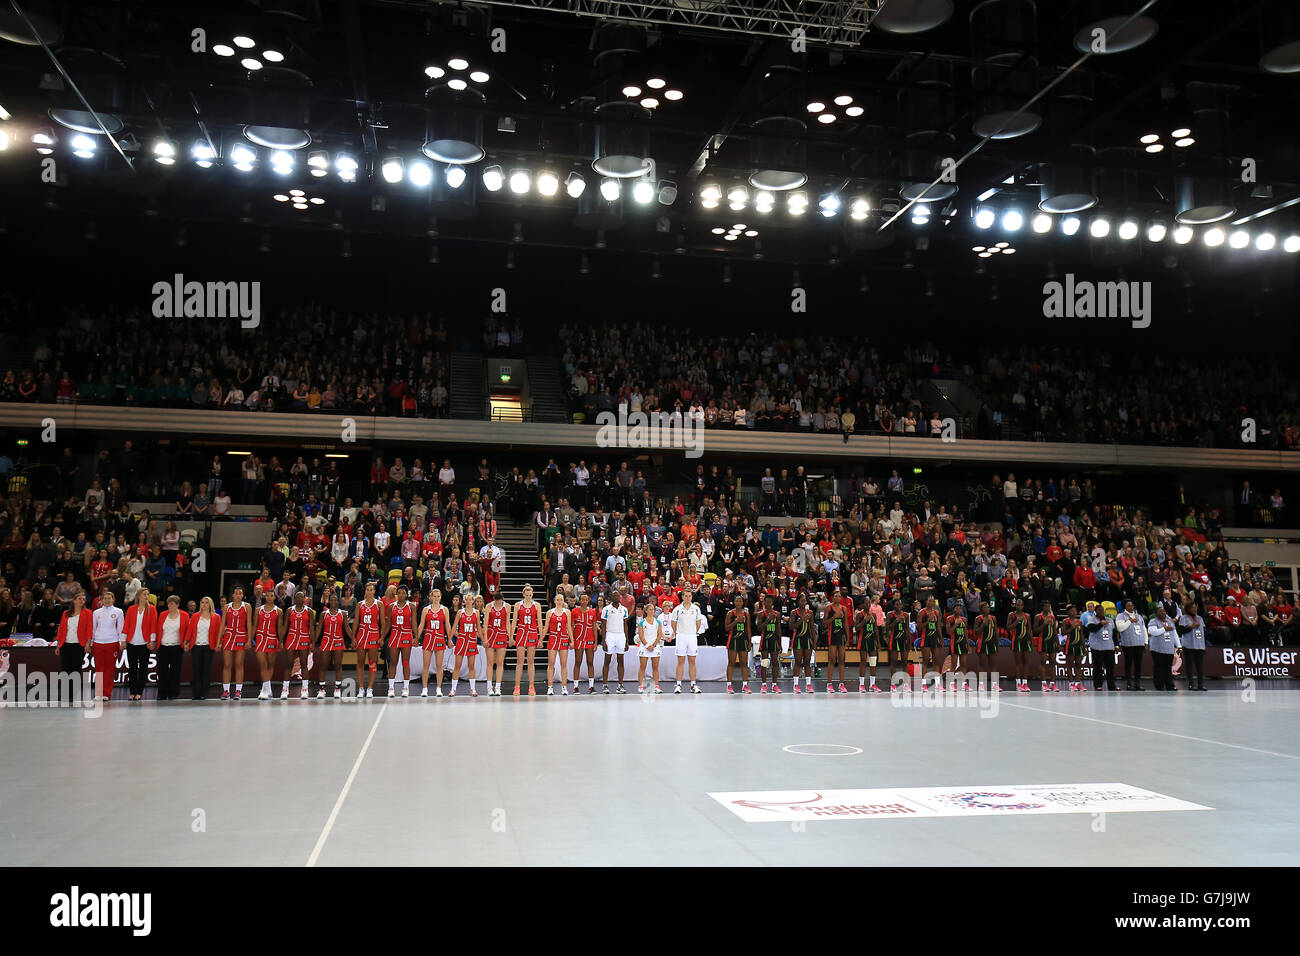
756, 639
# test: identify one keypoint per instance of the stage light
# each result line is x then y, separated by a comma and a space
272, 56
1070, 225
1180, 133
392, 168
859, 209
650, 102
520, 181
643, 191
1183, 235
984, 217
631, 90
816, 106
1149, 138
717, 230
1239, 239
222, 49
656, 83
1155, 148
456, 83
574, 185
243, 157
920, 214
493, 178
164, 152
843, 100
419, 173
1042, 223
318, 161
673, 95
826, 118
1128, 229
1099, 228
738, 194
610, 189
668, 192
1184, 142
1012, 220
346, 166
458, 63
1265, 241
479, 76
83, 146
1291, 244
281, 162
434, 72
244, 43
829, 205
548, 184
203, 154
1156, 231
854, 111
250, 63
1213, 237
711, 192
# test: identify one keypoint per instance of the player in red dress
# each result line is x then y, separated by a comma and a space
498, 629
368, 626
434, 633
401, 635
585, 618
296, 628
559, 641
332, 630
268, 641
525, 635
236, 635
469, 632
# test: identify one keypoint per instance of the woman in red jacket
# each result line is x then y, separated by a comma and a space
169, 635
139, 632
75, 631
201, 636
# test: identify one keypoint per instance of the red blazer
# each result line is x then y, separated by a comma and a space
85, 627
190, 630
150, 623
158, 625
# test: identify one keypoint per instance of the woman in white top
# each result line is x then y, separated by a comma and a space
170, 631
201, 634
108, 641
649, 644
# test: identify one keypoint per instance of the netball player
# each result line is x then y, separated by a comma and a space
498, 638
769, 629
585, 618
649, 644
368, 626
401, 635
559, 639
525, 635
268, 641
236, 635
332, 631
986, 645
898, 627
870, 618
958, 645
468, 626
296, 629
613, 639
739, 627
1045, 631
929, 622
433, 634
836, 637
1076, 647
803, 630
1020, 627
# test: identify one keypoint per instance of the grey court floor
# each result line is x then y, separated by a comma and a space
625, 780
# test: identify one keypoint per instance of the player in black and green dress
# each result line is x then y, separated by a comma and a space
898, 628
1022, 644
1076, 646
959, 645
929, 622
769, 629
867, 626
986, 643
836, 618
802, 638
738, 631
1045, 631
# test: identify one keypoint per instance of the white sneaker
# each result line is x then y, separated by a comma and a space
695, 689
284, 694
657, 689
439, 694
564, 692
550, 691
425, 692
677, 689
606, 690
264, 695
370, 692
320, 694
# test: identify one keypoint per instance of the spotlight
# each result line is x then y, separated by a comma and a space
455, 176
250, 63
83, 146
1070, 225
391, 169
456, 83
1156, 148
1184, 142
673, 95
548, 184
222, 49
1149, 138
346, 166
921, 214
493, 178
1181, 133
434, 72
203, 154
1099, 228
610, 189
829, 205
244, 43
281, 162
1042, 223
1012, 220
318, 161
631, 90
1183, 235
859, 208
1214, 236
643, 191
243, 157
668, 193
650, 102
164, 152
1265, 241
738, 194
272, 56
1156, 231
1291, 244
1128, 229
843, 100
574, 185
826, 118
816, 106
520, 181
984, 217
854, 111
1239, 239
717, 230
656, 83
43, 137
419, 173
458, 63
711, 192
479, 76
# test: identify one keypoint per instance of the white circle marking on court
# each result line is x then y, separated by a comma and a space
833, 750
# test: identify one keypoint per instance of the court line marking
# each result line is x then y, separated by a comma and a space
1150, 730
343, 794
849, 751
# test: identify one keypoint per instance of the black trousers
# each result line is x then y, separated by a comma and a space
1133, 665
169, 671
137, 667
1103, 668
1194, 664
1162, 666
200, 670
71, 657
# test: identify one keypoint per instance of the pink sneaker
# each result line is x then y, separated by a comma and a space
862, 688
809, 689
775, 689
796, 687
843, 689
873, 689
731, 690
762, 688
745, 689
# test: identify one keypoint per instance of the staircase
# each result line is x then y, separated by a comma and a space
520, 547
468, 390
544, 389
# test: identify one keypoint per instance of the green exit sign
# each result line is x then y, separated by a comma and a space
504, 374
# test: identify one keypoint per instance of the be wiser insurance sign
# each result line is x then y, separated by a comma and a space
784, 806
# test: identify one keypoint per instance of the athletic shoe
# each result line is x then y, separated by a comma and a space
225, 695
439, 693
843, 689
284, 693
745, 689
695, 689
775, 689
238, 694
731, 690
762, 689
406, 692
621, 690
516, 693
264, 695
605, 691
370, 692
996, 688
809, 689
532, 692
452, 692
424, 692
796, 687
564, 691
550, 691
320, 694
874, 689
657, 689
1023, 688
862, 688
473, 692
677, 689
